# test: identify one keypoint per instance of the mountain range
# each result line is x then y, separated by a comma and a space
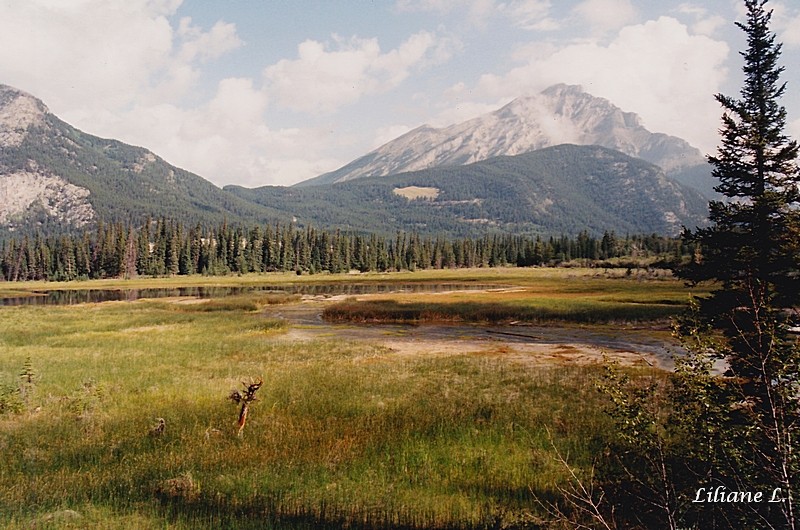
561, 114
490, 174
557, 190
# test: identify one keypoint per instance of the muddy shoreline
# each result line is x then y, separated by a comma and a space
518, 342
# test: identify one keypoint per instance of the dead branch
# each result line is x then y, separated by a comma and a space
245, 398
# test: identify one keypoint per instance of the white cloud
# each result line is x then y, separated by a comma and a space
531, 14
63, 51
160, 7
226, 139
656, 69
787, 24
439, 6
387, 134
105, 54
525, 14
323, 80
704, 22
218, 41
475, 12
119, 68
603, 16
793, 129
474, 8
465, 110
327, 76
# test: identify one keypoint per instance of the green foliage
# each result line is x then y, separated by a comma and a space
165, 247
14, 398
10, 400
731, 416
27, 383
752, 250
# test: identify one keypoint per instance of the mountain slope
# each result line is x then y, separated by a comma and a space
560, 114
54, 176
558, 190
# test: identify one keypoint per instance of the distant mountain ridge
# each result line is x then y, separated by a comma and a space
561, 114
55, 177
563, 189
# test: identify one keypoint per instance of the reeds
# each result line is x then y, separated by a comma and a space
537, 311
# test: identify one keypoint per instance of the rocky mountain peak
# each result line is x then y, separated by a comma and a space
19, 111
571, 101
561, 114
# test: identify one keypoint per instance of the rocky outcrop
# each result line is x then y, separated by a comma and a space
19, 111
30, 193
25, 195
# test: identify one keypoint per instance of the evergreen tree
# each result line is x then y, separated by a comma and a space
130, 259
143, 252
254, 249
751, 251
738, 431
68, 258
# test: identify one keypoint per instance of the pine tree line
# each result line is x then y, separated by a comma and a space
166, 247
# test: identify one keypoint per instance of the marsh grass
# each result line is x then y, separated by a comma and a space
245, 302
343, 433
580, 299
590, 312
15, 293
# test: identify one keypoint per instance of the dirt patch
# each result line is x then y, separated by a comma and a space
417, 192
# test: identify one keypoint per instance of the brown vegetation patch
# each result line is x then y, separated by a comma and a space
183, 488
417, 192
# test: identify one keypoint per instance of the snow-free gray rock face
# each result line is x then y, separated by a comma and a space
33, 192
562, 114
24, 192
19, 111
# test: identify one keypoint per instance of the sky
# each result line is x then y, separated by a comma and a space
273, 92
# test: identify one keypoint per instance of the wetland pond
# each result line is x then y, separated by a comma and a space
82, 296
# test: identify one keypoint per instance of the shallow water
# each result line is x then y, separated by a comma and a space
81, 296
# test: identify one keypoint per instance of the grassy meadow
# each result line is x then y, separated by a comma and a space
343, 433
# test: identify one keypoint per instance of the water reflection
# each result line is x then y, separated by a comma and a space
81, 296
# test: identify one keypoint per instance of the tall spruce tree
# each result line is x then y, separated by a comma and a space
751, 252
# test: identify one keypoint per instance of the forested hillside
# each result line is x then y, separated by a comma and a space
559, 190
126, 182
